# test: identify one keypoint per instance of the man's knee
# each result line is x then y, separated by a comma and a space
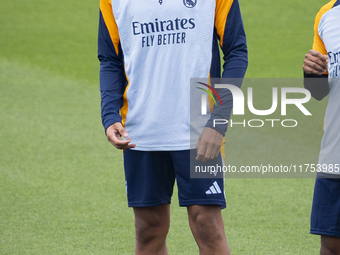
209, 230
330, 245
207, 221
327, 251
151, 223
147, 231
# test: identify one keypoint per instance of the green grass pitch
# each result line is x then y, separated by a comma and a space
62, 188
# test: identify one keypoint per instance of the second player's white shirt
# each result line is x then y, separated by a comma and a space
329, 32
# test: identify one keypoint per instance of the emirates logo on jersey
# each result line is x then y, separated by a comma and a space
189, 3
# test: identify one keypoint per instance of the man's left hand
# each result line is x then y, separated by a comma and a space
209, 144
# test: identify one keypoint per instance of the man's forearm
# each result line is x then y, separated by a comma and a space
317, 85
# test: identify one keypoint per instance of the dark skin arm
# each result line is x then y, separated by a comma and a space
315, 80
315, 63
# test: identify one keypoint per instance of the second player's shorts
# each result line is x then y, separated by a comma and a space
150, 177
325, 219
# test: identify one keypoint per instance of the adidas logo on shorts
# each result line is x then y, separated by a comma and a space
214, 189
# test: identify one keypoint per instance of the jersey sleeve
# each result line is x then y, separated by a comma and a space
112, 74
318, 44
230, 31
318, 84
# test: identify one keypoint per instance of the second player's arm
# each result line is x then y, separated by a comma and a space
315, 64
315, 74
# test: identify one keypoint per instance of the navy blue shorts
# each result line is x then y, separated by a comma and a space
150, 178
325, 219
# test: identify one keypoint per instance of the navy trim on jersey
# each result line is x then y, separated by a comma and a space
234, 45
215, 70
112, 87
235, 64
336, 3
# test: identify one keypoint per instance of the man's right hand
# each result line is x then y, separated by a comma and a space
114, 134
315, 63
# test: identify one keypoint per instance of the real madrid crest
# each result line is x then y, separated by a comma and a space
189, 3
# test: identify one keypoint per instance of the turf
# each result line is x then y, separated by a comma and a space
62, 187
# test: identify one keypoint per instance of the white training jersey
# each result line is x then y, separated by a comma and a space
157, 46
329, 34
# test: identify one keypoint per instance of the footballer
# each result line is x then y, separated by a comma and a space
148, 51
322, 77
